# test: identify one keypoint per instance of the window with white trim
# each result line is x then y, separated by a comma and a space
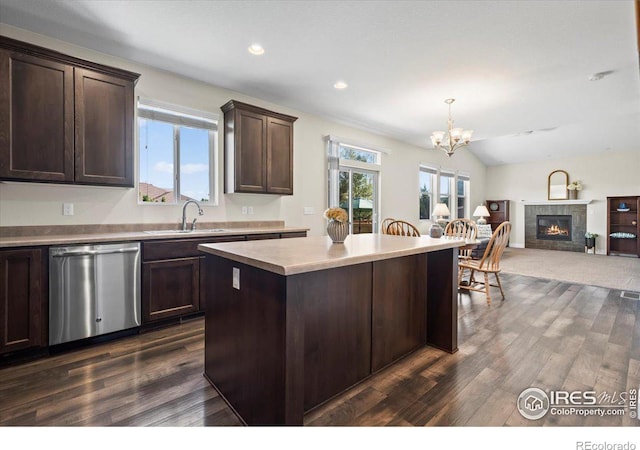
177, 157
462, 193
428, 178
353, 183
446, 192
443, 186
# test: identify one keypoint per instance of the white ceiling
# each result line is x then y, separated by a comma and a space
518, 69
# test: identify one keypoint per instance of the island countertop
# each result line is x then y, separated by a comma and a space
301, 255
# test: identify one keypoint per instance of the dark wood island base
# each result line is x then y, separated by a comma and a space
283, 344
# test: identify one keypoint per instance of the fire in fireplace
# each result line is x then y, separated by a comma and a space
554, 228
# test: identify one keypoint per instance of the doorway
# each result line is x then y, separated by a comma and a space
358, 195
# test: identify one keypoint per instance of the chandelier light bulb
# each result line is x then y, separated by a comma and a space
455, 137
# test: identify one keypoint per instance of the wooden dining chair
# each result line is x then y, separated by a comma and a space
402, 228
489, 263
385, 223
462, 229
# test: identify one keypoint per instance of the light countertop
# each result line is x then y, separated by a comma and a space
81, 238
300, 255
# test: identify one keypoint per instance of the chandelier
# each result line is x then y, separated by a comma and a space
455, 137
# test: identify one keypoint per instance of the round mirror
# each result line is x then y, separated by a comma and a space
557, 187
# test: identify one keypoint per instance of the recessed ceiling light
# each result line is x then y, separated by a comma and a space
256, 49
340, 85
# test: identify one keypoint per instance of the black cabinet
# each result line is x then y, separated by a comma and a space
64, 120
258, 150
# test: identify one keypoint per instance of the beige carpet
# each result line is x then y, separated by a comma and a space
617, 272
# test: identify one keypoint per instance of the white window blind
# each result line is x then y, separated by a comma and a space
178, 115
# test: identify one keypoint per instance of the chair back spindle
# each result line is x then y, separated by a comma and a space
402, 228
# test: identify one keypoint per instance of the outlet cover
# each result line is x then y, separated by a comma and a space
67, 209
244, 210
250, 210
308, 210
236, 278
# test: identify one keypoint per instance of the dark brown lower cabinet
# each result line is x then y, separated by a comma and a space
281, 345
22, 321
173, 280
170, 288
171, 277
399, 311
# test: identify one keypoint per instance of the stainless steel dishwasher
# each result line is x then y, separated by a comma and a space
93, 290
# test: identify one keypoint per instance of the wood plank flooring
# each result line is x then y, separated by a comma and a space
546, 334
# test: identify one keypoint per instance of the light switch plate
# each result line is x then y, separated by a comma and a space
236, 278
308, 210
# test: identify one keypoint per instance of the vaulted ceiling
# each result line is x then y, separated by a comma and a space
519, 70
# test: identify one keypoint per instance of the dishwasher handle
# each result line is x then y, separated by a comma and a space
94, 252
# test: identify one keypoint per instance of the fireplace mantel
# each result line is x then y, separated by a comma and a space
555, 202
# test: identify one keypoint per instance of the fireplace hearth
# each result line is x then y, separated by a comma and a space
553, 227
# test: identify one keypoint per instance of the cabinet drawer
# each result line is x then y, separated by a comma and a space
257, 237
180, 248
294, 234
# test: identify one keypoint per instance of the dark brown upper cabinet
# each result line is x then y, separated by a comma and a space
258, 147
63, 119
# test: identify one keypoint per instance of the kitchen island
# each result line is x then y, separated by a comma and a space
291, 323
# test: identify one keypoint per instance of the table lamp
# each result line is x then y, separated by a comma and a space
440, 211
482, 212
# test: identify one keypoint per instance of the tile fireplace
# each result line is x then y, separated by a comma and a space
555, 226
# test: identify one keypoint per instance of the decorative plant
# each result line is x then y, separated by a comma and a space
590, 235
337, 214
575, 186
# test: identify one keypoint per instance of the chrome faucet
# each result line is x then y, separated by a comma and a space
184, 215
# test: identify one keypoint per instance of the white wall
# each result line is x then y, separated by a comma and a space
603, 175
41, 204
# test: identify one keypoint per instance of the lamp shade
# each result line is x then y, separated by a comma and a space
481, 211
441, 210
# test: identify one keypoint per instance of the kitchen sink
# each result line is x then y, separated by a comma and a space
197, 231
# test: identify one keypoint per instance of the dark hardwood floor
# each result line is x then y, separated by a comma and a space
547, 334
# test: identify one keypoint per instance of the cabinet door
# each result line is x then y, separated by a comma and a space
36, 118
170, 288
21, 321
399, 311
279, 156
250, 157
104, 129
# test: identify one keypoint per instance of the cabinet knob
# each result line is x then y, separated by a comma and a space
98, 319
